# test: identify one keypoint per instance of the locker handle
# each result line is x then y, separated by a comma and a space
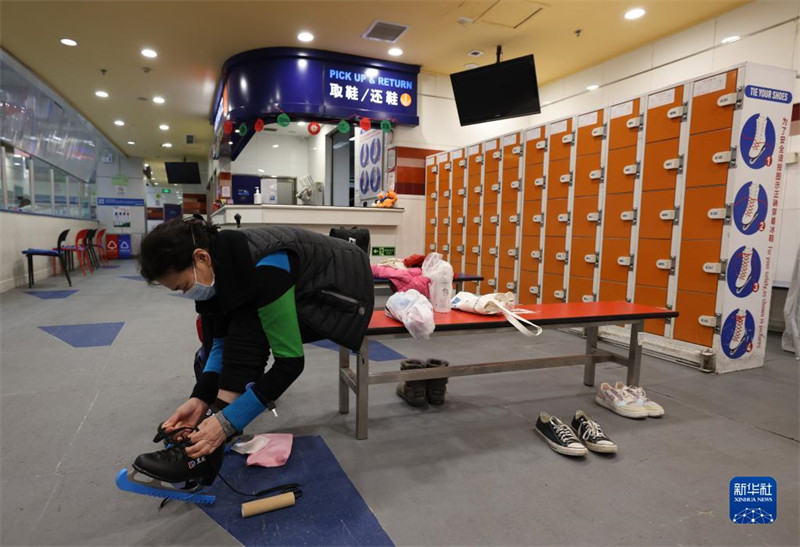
460, 248
448, 166
539, 181
511, 285
476, 220
727, 100
462, 191
492, 282
597, 174
630, 123
445, 247
664, 263
496, 187
498, 155
478, 190
479, 158
460, 220
559, 294
587, 298
533, 290
593, 217
512, 252
624, 260
712, 267
432, 246
568, 139
476, 249
536, 254
515, 185
462, 163
514, 219
493, 251
562, 256
667, 214
676, 112
434, 169
718, 214
494, 219
434, 195
722, 157
517, 150
565, 178
563, 217
707, 320
447, 221
590, 258
433, 220
541, 145
674, 163
537, 219
630, 169
627, 215
599, 131
446, 193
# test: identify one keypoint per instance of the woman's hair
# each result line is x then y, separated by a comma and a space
169, 247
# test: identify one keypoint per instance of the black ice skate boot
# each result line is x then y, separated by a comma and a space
172, 465
412, 392
435, 389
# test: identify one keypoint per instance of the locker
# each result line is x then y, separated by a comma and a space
490, 199
618, 216
529, 226
559, 149
580, 289
472, 286
661, 165
443, 226
709, 157
472, 240
529, 252
654, 215
558, 179
699, 266
552, 285
590, 133
556, 215
533, 172
703, 213
458, 211
610, 267
653, 262
612, 292
623, 128
664, 115
489, 281
512, 186
580, 248
489, 229
652, 296
474, 178
584, 209
475, 162
588, 175
554, 249
621, 170
431, 170
505, 280
695, 307
713, 102
509, 220
429, 242
535, 147
508, 243
491, 156
534, 186
528, 286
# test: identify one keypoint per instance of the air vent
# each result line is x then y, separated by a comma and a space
475, 53
384, 32
189, 139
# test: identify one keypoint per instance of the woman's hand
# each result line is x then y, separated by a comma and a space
206, 439
188, 414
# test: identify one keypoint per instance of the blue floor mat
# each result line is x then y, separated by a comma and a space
89, 335
377, 351
330, 511
51, 295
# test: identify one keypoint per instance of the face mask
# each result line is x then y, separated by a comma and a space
198, 291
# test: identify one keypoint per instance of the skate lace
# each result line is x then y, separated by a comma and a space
176, 448
739, 327
752, 205
564, 433
761, 129
744, 272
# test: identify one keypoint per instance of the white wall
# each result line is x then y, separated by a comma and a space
134, 189
290, 159
316, 155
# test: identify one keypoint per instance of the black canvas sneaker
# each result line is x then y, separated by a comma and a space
592, 435
559, 436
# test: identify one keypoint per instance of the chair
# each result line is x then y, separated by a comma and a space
100, 245
90, 252
79, 249
58, 252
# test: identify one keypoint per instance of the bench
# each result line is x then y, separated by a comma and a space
458, 280
586, 315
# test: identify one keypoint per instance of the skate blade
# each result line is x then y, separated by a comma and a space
125, 481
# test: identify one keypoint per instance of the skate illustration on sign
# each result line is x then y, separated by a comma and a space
737, 333
750, 208
757, 141
744, 271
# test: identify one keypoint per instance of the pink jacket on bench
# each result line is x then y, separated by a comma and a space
404, 280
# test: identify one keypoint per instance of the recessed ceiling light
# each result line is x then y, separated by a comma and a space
395, 52
166, 145
132, 143
634, 13
119, 123
159, 100
260, 170
730, 39
163, 127
305, 36
470, 66
592, 87
275, 145
102, 94
69, 42
149, 53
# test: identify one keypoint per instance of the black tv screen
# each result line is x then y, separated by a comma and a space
183, 172
498, 91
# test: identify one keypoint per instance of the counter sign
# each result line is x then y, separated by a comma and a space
381, 92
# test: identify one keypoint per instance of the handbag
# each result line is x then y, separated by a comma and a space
355, 235
493, 304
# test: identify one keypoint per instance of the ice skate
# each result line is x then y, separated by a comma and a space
759, 139
739, 332
751, 210
746, 269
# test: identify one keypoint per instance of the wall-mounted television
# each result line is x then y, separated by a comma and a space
183, 172
496, 92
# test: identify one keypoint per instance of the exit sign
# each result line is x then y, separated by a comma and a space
383, 251
166, 191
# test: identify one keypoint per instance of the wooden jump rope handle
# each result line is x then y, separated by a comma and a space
265, 505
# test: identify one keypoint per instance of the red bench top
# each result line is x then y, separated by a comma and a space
544, 314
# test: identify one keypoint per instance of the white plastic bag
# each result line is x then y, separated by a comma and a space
413, 310
493, 304
440, 272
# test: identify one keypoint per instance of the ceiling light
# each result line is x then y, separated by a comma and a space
166, 145
155, 183
634, 13
102, 94
395, 52
592, 87
119, 123
132, 143
260, 170
275, 145
314, 148
158, 100
470, 66
149, 53
730, 39
305, 36
17, 163
163, 127
69, 42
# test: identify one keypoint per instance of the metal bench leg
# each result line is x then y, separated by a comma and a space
362, 390
30, 271
591, 348
635, 354
344, 389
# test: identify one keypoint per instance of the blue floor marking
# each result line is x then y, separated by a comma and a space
134, 277
51, 295
377, 351
330, 511
89, 335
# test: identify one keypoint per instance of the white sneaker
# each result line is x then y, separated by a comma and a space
620, 402
746, 268
751, 210
654, 410
739, 331
759, 139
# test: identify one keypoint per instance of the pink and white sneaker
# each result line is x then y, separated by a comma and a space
620, 402
654, 410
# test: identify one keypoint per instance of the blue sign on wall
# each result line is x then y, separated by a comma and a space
120, 202
379, 93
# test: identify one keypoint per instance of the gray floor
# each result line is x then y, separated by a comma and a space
469, 473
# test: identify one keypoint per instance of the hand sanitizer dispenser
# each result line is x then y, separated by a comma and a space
257, 197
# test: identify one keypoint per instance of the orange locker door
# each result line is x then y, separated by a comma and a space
528, 286
505, 280
561, 140
555, 251
652, 296
703, 212
558, 179
621, 170
661, 165
553, 288
509, 220
489, 281
557, 218
585, 216
713, 102
582, 248
664, 115
614, 260
535, 146
511, 185
694, 308
618, 216
491, 156
475, 161
653, 262
709, 158
507, 255
590, 133
588, 175
580, 289
654, 216
531, 220
534, 182
612, 292
699, 266
430, 241
529, 254
623, 129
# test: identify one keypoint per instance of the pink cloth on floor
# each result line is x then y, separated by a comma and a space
267, 449
404, 280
